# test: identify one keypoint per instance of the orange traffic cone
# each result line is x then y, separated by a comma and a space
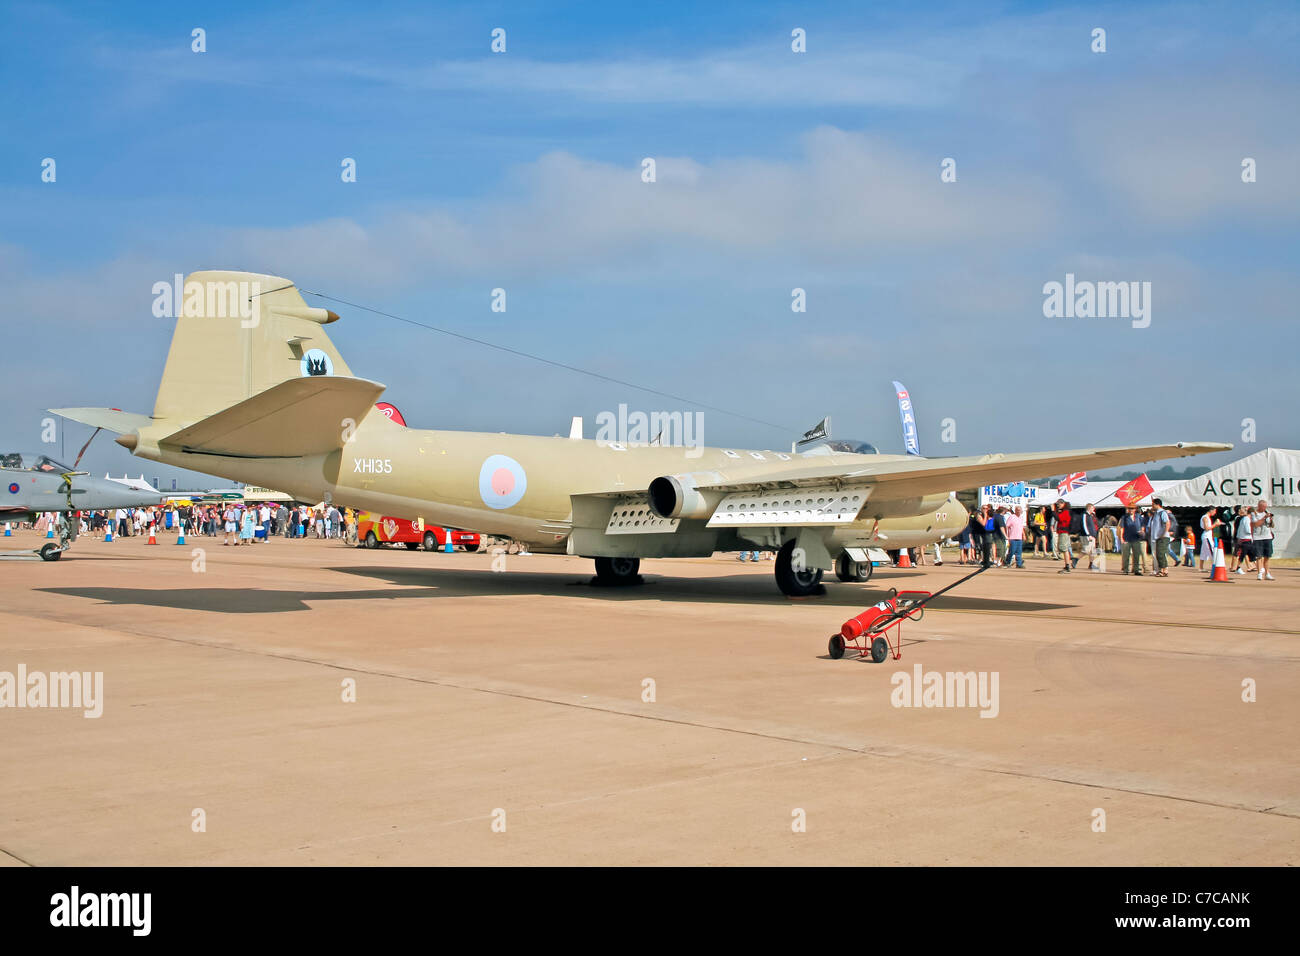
1220, 567
904, 558
153, 538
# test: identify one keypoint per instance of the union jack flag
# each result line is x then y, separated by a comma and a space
1071, 482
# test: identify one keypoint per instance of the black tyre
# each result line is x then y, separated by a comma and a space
371, 541
51, 552
618, 571
792, 582
846, 569
879, 650
836, 646
411, 545
430, 542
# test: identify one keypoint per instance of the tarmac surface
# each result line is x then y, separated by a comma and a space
518, 697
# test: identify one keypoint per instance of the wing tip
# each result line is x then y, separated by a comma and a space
1204, 447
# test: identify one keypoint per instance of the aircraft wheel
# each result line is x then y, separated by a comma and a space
795, 583
411, 545
430, 542
837, 646
846, 569
617, 570
371, 541
51, 552
879, 650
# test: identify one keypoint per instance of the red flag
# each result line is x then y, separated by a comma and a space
1134, 491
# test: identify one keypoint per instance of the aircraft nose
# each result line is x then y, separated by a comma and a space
97, 494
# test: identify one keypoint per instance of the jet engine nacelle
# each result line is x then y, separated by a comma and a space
679, 496
910, 507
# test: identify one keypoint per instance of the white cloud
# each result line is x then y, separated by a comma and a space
847, 195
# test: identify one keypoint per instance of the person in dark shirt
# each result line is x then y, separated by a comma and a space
967, 548
1133, 532
1000, 536
981, 533
1089, 531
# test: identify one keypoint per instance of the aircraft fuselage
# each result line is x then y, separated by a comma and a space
523, 487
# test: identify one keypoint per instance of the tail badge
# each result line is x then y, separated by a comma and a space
316, 362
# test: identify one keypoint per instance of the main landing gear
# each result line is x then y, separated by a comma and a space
618, 572
796, 581
846, 569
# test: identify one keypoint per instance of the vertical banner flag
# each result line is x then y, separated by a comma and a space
909, 420
1134, 491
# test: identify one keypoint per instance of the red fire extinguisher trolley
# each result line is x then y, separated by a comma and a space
868, 633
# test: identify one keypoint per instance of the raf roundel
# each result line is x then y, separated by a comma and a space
316, 362
501, 482
13, 488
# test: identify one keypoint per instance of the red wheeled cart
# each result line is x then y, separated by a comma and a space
868, 632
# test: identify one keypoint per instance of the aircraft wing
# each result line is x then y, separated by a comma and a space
300, 416
911, 477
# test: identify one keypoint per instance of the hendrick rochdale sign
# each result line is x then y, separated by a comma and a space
1018, 493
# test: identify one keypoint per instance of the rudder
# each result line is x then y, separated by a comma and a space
238, 334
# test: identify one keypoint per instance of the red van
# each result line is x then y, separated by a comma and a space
375, 530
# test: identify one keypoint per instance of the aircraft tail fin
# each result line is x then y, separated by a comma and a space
238, 334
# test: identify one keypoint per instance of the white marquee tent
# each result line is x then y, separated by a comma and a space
1273, 473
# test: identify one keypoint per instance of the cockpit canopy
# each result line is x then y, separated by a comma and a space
32, 461
849, 445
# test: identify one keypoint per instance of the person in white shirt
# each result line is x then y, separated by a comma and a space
1261, 524
1208, 523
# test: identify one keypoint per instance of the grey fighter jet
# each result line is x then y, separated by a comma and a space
34, 483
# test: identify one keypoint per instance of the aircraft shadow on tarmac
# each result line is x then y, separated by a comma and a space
419, 583
235, 600
716, 589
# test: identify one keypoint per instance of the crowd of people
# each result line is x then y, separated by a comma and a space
238, 522
1146, 537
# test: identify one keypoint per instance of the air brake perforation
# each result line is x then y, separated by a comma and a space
633, 516
803, 506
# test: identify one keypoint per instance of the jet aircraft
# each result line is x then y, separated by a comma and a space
35, 483
254, 390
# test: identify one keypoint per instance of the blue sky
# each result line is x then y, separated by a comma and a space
776, 170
